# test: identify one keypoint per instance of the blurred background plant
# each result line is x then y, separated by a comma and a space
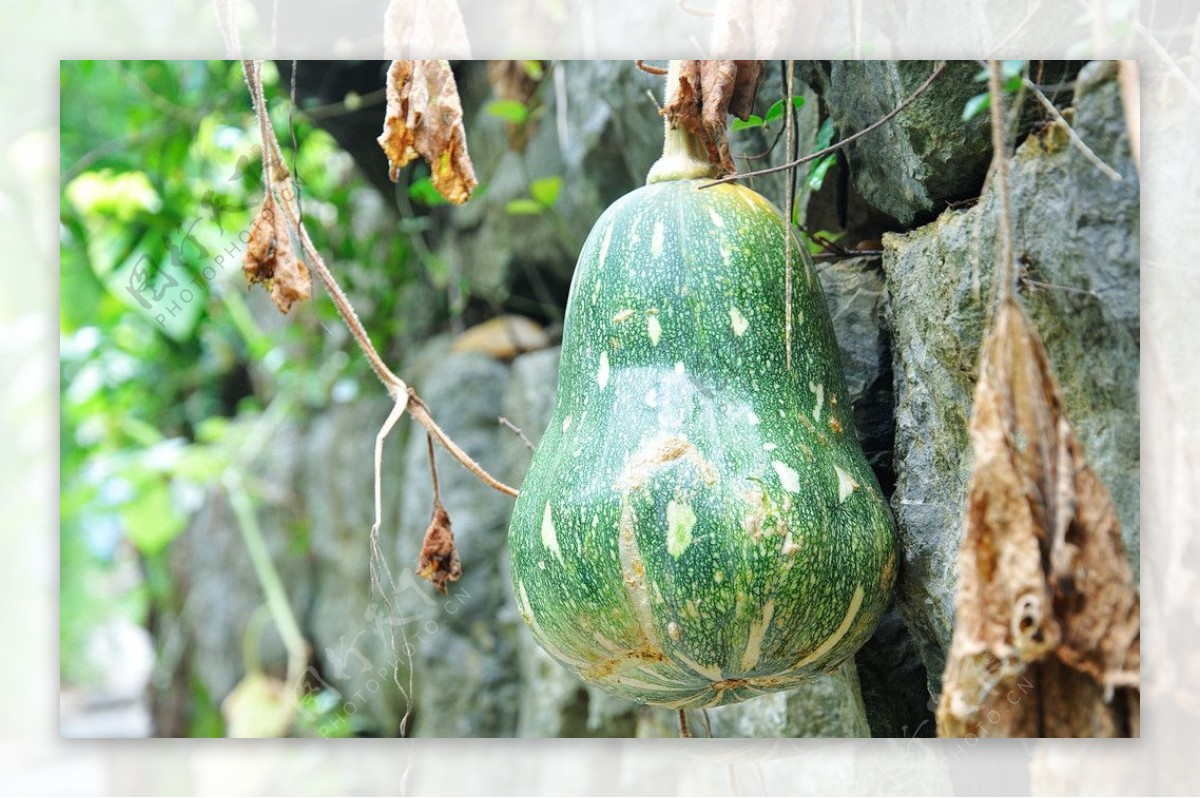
166, 359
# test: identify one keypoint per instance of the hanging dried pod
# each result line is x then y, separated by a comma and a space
1047, 634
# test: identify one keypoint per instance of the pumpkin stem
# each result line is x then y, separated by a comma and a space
684, 154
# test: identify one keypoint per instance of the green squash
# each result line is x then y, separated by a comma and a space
699, 524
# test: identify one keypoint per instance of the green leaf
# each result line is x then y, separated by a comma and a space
816, 176
976, 105
754, 120
524, 207
509, 110
1013, 84
151, 521
816, 248
533, 69
422, 191
824, 135
776, 110
1010, 69
545, 190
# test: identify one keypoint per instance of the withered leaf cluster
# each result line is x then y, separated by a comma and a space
425, 118
271, 260
1047, 638
705, 92
439, 556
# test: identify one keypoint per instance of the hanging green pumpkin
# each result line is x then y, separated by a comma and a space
699, 524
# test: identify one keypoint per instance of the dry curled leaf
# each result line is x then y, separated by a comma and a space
271, 260
423, 27
705, 92
425, 118
1047, 635
439, 556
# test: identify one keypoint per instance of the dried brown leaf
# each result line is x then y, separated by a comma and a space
425, 118
705, 93
439, 556
271, 260
1047, 634
423, 27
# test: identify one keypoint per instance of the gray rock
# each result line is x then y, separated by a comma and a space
924, 156
829, 706
465, 651
855, 295
349, 624
221, 589
1076, 232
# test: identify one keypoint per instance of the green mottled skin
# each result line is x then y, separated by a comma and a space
702, 546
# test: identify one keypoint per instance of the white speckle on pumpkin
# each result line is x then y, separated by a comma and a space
549, 534
719, 577
769, 447
789, 546
846, 484
679, 367
680, 521
788, 476
654, 329
656, 239
819, 390
622, 315
726, 256
604, 245
799, 317
674, 632
752, 418
566, 424
602, 372
758, 631
738, 321
651, 398
716, 217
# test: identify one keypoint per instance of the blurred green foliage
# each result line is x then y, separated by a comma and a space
165, 355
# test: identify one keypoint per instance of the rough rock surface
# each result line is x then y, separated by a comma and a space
924, 156
347, 622
465, 660
223, 593
1076, 234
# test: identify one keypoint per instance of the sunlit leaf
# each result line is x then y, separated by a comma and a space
545, 190
424, 192
754, 120
976, 105
151, 520
524, 207
776, 110
509, 110
816, 176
